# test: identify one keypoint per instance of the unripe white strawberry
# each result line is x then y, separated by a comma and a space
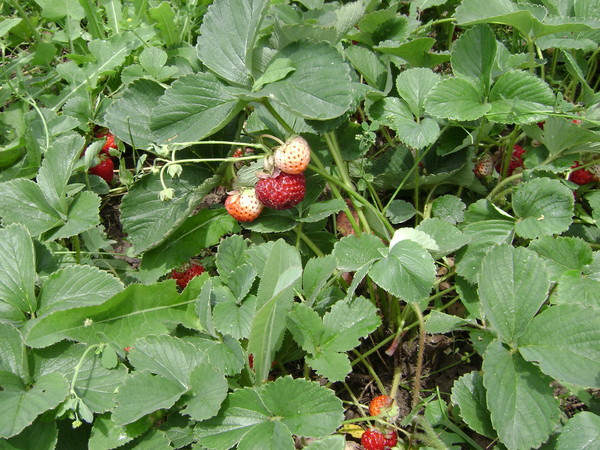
595, 170
293, 156
484, 166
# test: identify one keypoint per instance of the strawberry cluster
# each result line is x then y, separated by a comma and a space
584, 176
381, 439
283, 188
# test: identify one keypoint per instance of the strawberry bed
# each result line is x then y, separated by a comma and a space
306, 224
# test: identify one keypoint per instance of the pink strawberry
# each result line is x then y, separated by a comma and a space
484, 166
283, 191
292, 157
581, 176
104, 169
184, 274
243, 206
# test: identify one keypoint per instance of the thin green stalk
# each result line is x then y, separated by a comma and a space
77, 247
500, 186
316, 250
421, 351
277, 116
78, 367
371, 371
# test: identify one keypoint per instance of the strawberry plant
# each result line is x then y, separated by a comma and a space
356, 221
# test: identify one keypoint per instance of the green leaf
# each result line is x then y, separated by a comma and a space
482, 236
227, 37
457, 99
513, 285
320, 88
523, 409
17, 271
470, 396
272, 221
279, 279
563, 337
164, 17
315, 412
107, 434
76, 286
447, 237
449, 208
226, 355
167, 356
200, 231
40, 435
375, 72
441, 323
24, 405
129, 114
147, 220
335, 442
194, 107
277, 70
581, 431
408, 272
560, 134
316, 273
142, 394
352, 252
82, 215
233, 319
400, 211
231, 254
322, 210
413, 85
562, 254
543, 206
22, 201
209, 388
575, 288
306, 326
11, 350
332, 365
7, 24
474, 54
415, 52
528, 19
135, 311
520, 97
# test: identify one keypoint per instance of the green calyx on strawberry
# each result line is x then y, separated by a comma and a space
183, 275
293, 156
373, 439
243, 205
104, 169
280, 190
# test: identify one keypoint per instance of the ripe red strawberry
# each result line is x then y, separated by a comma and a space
380, 404
104, 169
373, 439
239, 152
484, 166
243, 206
184, 274
281, 192
581, 176
292, 157
110, 141
516, 160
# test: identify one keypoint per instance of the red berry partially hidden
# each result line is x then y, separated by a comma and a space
373, 439
292, 157
581, 176
104, 169
243, 206
281, 192
380, 404
110, 141
516, 160
184, 275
